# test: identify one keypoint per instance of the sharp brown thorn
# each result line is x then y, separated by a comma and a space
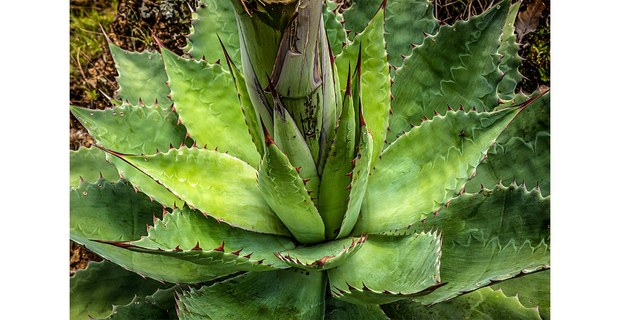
220, 247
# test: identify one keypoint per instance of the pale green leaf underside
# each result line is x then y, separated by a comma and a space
213, 19
427, 166
482, 304
206, 99
284, 294
89, 164
284, 190
186, 229
217, 184
322, 256
406, 22
141, 77
388, 268
458, 66
489, 236
95, 289
375, 77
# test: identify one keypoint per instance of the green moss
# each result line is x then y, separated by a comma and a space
86, 37
537, 59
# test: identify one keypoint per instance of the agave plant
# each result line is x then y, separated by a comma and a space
286, 168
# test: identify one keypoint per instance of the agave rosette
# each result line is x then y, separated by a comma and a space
283, 169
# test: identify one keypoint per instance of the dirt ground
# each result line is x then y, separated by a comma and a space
131, 25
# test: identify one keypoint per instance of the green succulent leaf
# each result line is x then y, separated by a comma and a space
285, 192
135, 130
282, 294
217, 184
510, 60
110, 211
333, 21
259, 44
484, 303
161, 305
95, 289
427, 166
142, 309
458, 66
332, 101
98, 215
532, 290
185, 230
369, 48
359, 183
388, 268
339, 310
141, 77
290, 140
322, 256
527, 162
533, 120
406, 23
250, 113
206, 99
131, 129
489, 236
302, 74
212, 20
522, 151
89, 164
337, 172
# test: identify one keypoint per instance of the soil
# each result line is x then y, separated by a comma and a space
137, 21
